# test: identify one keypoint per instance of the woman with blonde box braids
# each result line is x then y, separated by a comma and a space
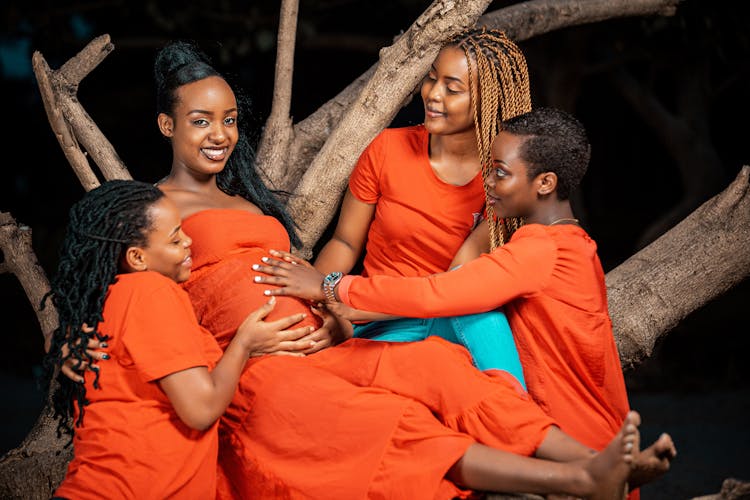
416, 193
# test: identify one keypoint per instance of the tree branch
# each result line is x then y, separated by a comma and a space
59, 90
652, 291
277, 134
20, 259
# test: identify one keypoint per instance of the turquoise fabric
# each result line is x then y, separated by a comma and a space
487, 336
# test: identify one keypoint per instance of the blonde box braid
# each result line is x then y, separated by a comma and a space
502, 92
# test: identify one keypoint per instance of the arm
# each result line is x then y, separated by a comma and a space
477, 243
200, 396
344, 314
517, 269
344, 248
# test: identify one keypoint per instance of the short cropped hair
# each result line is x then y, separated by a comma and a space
556, 142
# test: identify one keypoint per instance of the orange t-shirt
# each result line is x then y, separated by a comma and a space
420, 221
132, 444
550, 281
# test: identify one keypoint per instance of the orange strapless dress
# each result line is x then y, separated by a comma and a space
361, 420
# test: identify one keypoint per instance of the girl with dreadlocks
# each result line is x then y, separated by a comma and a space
145, 423
417, 192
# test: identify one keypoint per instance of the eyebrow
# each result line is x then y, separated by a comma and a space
175, 230
204, 112
448, 77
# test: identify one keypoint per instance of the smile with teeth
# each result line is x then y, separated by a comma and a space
214, 153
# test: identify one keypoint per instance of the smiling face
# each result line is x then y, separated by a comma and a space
202, 126
167, 248
509, 189
446, 94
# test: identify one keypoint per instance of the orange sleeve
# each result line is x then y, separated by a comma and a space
364, 181
520, 268
161, 332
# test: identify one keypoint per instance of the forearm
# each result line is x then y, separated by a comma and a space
337, 255
478, 286
198, 396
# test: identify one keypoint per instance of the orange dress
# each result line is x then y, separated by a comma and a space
551, 284
132, 444
360, 420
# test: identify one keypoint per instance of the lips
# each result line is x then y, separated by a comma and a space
433, 113
188, 262
215, 154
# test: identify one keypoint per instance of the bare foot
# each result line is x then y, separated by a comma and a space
652, 462
610, 468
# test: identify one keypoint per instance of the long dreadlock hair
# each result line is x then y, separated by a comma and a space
502, 92
101, 227
181, 62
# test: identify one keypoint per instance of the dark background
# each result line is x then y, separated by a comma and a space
695, 66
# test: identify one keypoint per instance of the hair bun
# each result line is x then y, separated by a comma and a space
175, 55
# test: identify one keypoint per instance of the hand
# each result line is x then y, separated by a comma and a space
74, 368
298, 280
331, 332
290, 258
273, 337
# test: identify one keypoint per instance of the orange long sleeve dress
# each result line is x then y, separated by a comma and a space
551, 284
360, 420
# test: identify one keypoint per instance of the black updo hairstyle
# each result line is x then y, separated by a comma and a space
102, 226
180, 63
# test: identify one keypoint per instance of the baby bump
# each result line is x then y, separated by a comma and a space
224, 293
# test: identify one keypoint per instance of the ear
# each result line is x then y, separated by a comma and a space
546, 183
135, 259
166, 124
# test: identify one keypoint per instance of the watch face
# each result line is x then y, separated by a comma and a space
333, 277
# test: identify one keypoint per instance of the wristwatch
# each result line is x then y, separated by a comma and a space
329, 283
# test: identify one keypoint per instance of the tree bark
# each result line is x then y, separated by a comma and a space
66, 114
20, 259
278, 132
696, 261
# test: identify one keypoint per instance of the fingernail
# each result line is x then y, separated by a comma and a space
264, 259
273, 251
272, 300
256, 267
257, 279
266, 292
103, 344
105, 356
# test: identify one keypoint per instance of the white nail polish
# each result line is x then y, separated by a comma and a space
267, 292
264, 259
257, 279
255, 267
